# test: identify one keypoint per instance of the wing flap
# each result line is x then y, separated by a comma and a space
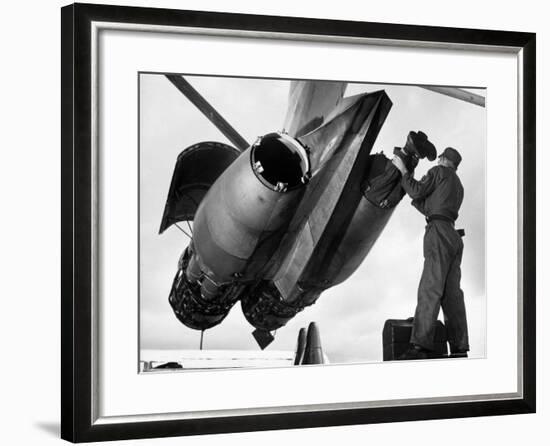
197, 168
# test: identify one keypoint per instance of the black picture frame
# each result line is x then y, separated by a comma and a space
77, 363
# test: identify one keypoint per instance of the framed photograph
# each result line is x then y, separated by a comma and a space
279, 222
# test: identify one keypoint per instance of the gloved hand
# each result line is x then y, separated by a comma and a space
398, 162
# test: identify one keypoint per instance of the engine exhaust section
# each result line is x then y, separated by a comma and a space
280, 162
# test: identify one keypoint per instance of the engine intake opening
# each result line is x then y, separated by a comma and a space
280, 162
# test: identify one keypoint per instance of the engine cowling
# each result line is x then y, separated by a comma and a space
239, 225
245, 213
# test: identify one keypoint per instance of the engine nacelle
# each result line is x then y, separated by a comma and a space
242, 219
238, 226
381, 191
373, 201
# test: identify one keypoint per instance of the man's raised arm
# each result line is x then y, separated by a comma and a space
415, 189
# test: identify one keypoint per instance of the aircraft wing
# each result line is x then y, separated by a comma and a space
341, 148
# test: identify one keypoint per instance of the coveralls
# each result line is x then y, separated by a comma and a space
438, 196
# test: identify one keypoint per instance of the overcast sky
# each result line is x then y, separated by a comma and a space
351, 315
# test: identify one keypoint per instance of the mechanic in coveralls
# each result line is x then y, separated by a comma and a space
438, 196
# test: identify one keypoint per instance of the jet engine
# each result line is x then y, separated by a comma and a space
237, 228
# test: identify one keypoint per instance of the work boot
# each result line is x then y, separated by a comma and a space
415, 352
459, 354
419, 144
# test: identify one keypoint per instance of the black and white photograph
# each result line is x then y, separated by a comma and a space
275, 223
290, 222
280, 222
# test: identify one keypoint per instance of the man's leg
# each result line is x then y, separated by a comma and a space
454, 308
431, 287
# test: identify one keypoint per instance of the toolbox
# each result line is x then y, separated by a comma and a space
397, 334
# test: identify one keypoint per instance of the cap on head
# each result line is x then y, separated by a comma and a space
419, 143
452, 155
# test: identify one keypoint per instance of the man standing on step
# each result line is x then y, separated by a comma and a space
438, 196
